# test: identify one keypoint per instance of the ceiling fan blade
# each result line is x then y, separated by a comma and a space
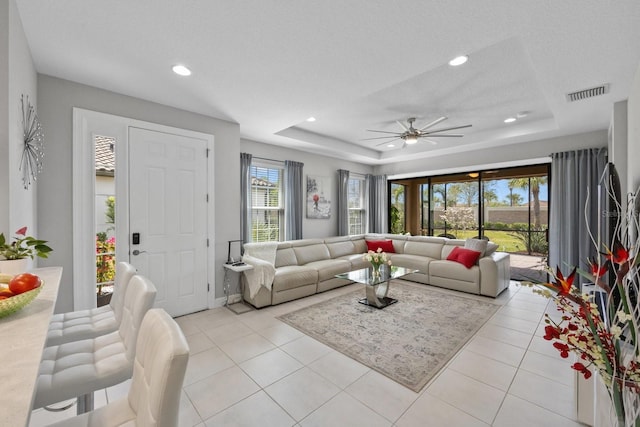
455, 135
432, 142
446, 129
383, 131
380, 137
433, 123
387, 142
402, 125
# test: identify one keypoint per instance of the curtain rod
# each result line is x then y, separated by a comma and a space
264, 158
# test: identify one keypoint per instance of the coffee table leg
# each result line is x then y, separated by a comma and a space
377, 295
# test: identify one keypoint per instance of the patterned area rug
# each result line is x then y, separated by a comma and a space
409, 341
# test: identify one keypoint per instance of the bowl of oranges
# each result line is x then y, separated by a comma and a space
18, 291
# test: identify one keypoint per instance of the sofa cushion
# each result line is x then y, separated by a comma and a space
479, 245
424, 246
356, 261
466, 257
385, 245
293, 276
340, 248
285, 256
416, 262
360, 245
309, 253
453, 271
328, 268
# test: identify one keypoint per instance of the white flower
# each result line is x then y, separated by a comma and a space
616, 331
624, 317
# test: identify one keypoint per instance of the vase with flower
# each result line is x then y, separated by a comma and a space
377, 259
14, 254
604, 336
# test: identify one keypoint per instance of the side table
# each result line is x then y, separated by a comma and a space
239, 307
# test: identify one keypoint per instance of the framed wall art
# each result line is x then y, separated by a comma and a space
318, 202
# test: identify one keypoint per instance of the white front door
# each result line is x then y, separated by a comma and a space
168, 205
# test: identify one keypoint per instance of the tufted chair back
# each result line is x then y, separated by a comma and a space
158, 371
139, 298
124, 273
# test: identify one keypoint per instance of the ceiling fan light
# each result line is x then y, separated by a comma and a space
510, 120
411, 139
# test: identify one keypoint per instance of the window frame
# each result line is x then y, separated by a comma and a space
361, 209
257, 209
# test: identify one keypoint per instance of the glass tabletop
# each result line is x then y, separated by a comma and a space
365, 275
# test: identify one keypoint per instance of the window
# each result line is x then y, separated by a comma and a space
508, 206
267, 211
398, 212
355, 202
105, 190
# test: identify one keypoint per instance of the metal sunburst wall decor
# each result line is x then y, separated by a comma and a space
33, 149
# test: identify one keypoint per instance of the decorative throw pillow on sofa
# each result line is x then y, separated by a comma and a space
477, 245
491, 248
466, 257
385, 245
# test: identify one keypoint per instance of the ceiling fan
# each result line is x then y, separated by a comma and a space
410, 135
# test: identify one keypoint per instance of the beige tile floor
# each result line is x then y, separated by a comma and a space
253, 370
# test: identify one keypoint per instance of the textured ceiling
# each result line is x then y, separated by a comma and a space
354, 65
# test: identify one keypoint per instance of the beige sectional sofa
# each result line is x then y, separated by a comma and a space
285, 271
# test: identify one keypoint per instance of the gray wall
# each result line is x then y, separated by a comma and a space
17, 77
633, 147
56, 98
314, 164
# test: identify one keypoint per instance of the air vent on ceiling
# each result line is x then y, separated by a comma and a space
588, 93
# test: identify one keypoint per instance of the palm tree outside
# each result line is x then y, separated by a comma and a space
535, 182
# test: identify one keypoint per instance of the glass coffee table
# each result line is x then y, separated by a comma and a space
376, 289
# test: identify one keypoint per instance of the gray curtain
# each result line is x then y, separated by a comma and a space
293, 200
575, 176
343, 202
245, 197
377, 185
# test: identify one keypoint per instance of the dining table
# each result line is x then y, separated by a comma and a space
23, 335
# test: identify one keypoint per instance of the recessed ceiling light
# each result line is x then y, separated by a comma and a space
311, 119
510, 120
181, 70
458, 60
391, 145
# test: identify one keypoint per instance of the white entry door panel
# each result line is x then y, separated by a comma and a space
168, 208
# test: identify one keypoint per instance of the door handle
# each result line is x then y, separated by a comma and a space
137, 252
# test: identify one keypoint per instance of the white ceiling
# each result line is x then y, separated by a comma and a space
354, 65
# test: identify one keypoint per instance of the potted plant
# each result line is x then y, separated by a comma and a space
14, 254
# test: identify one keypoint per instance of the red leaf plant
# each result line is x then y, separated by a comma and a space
607, 340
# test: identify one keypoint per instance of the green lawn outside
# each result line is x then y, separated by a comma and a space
507, 242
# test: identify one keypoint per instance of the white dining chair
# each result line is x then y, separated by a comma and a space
78, 368
160, 364
91, 323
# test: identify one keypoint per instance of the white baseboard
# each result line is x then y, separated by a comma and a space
233, 298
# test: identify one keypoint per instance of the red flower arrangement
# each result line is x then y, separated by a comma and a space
604, 338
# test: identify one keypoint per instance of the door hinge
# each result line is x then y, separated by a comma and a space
208, 287
207, 242
207, 197
208, 149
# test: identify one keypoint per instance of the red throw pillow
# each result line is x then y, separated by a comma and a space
466, 257
385, 245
